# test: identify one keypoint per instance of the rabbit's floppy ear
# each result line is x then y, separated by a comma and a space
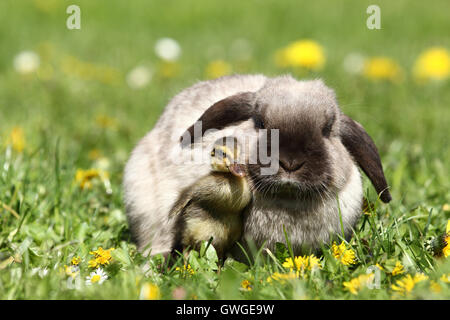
230, 110
364, 151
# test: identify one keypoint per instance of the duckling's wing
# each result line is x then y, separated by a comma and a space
205, 188
179, 207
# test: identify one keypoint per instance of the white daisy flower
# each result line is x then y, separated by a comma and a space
139, 77
353, 63
167, 49
98, 276
26, 62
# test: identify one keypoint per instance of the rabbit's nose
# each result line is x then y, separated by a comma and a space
291, 165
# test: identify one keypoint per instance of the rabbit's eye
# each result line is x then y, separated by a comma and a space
259, 123
326, 130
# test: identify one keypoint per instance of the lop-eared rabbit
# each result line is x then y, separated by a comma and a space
320, 150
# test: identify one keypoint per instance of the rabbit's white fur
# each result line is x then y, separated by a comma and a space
153, 182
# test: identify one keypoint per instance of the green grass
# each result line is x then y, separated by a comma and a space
46, 219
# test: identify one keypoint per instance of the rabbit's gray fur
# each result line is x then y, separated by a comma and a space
152, 183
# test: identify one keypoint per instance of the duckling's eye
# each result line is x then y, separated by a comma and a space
219, 154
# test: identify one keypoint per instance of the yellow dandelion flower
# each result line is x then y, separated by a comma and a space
288, 263
103, 260
100, 252
217, 68
433, 64
446, 249
72, 66
94, 154
398, 269
84, 178
420, 277
187, 269
169, 69
306, 54
379, 266
446, 207
314, 262
435, 287
150, 291
382, 68
246, 285
348, 257
106, 122
101, 257
445, 278
344, 255
75, 261
404, 285
407, 283
302, 264
17, 139
93, 263
47, 6
281, 277
356, 284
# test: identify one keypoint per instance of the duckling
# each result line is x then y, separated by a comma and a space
212, 207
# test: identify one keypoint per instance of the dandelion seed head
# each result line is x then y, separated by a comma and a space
353, 63
167, 49
139, 77
26, 62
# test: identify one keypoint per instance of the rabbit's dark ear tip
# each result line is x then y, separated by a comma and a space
386, 196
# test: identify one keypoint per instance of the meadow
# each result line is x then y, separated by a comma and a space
73, 103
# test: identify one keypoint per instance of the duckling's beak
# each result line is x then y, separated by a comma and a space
237, 170
223, 159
